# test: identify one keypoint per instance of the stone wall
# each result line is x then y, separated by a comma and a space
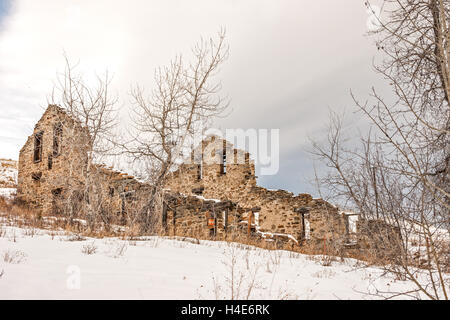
280, 212
381, 239
52, 172
41, 178
197, 217
53, 166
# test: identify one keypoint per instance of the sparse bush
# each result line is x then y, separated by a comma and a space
14, 256
325, 273
2, 231
76, 237
121, 248
31, 232
117, 249
238, 283
327, 261
132, 243
89, 248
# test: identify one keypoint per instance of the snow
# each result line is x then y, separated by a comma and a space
206, 199
7, 192
352, 223
352, 220
48, 265
8, 177
307, 229
8, 172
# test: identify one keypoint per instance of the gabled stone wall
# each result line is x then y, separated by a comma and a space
278, 209
56, 182
39, 179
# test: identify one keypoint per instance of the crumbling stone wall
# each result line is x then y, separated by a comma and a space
278, 209
122, 196
195, 216
381, 239
52, 169
44, 171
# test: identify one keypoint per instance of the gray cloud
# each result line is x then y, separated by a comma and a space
290, 60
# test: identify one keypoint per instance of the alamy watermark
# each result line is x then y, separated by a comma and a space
73, 281
261, 147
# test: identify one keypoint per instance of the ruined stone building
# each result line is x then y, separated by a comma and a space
213, 194
52, 170
228, 174
224, 178
197, 217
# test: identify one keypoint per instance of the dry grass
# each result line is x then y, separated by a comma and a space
16, 214
75, 237
117, 249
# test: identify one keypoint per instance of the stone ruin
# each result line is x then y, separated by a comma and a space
52, 166
225, 175
210, 195
228, 174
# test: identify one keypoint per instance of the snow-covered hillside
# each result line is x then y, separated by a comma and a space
8, 177
42, 264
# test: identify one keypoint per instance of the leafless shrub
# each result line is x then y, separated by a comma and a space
187, 239
89, 248
325, 273
76, 237
217, 288
275, 257
154, 242
327, 260
2, 231
31, 232
13, 237
14, 256
118, 249
237, 283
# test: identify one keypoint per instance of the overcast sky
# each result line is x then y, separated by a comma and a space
290, 61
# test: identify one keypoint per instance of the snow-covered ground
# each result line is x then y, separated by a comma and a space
8, 177
42, 264
7, 192
8, 172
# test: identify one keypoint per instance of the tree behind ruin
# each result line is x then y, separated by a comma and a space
185, 98
400, 172
92, 107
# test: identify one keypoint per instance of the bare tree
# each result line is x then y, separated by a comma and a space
400, 172
92, 117
186, 97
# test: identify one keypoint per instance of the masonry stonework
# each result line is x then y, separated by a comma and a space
214, 194
280, 212
198, 217
52, 171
